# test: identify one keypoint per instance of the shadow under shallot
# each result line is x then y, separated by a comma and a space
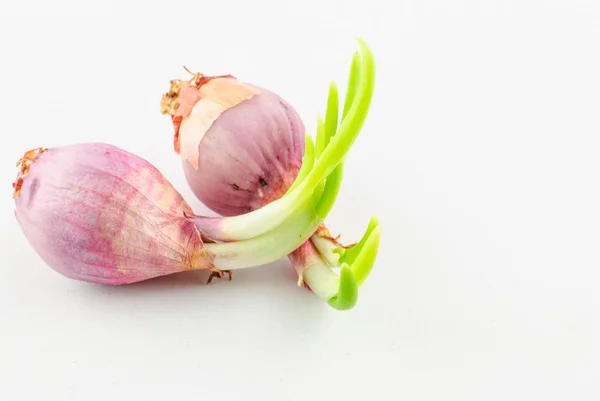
268, 293
276, 281
276, 273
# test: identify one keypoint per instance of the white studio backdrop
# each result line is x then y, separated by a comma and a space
479, 157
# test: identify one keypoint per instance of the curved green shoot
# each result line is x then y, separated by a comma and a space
352, 80
351, 254
355, 269
308, 161
325, 130
321, 141
334, 180
330, 192
331, 117
348, 293
365, 260
358, 261
351, 126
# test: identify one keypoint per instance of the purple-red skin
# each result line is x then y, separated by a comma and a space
302, 257
269, 138
94, 212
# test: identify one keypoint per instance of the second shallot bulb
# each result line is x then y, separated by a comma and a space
241, 145
95, 212
251, 146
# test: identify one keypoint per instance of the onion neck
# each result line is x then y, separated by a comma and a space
267, 247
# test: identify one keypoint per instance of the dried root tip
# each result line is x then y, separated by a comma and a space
218, 273
323, 232
170, 100
300, 281
196, 79
23, 165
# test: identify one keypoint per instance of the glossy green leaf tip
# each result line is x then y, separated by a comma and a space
348, 295
308, 161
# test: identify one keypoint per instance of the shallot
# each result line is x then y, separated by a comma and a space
98, 213
209, 115
242, 147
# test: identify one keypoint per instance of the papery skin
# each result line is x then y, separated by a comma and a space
94, 212
248, 154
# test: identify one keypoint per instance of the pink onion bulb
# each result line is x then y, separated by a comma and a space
241, 145
94, 212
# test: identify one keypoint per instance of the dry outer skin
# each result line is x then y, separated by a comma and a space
199, 104
24, 163
323, 232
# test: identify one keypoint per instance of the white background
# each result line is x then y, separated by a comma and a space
480, 158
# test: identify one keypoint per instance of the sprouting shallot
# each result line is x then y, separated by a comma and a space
240, 147
98, 213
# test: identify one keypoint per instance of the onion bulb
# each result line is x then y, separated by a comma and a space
243, 147
210, 114
97, 213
